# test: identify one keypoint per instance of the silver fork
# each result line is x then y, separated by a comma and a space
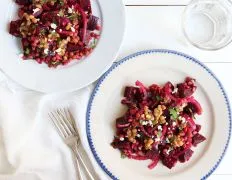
66, 127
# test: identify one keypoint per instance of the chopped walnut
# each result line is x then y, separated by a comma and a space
177, 142
131, 135
158, 114
148, 114
148, 143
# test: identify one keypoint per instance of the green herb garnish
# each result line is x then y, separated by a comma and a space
27, 51
173, 113
159, 134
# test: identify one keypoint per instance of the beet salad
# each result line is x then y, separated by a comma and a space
56, 32
159, 124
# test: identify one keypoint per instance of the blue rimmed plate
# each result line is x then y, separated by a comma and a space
158, 66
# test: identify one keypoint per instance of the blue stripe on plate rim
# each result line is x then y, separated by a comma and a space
115, 65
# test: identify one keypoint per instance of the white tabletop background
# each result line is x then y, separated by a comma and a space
157, 24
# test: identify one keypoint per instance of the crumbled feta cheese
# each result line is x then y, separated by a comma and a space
46, 51
58, 50
168, 151
36, 10
53, 26
169, 128
167, 140
166, 123
160, 128
150, 122
70, 10
138, 135
157, 139
174, 124
144, 123
182, 119
73, 29
121, 138
175, 90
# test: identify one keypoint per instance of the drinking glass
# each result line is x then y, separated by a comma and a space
207, 24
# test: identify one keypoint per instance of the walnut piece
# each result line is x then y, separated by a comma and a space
131, 135
148, 143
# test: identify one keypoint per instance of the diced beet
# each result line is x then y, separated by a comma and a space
198, 138
123, 145
86, 5
187, 88
198, 127
168, 88
169, 162
23, 2
194, 106
73, 47
185, 156
142, 94
122, 123
92, 23
14, 28
130, 92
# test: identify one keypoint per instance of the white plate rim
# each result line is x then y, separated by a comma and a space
117, 64
39, 78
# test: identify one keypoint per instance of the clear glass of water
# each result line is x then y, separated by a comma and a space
207, 24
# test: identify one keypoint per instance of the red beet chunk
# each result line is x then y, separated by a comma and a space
73, 47
130, 92
92, 23
169, 162
23, 2
86, 5
186, 156
14, 28
124, 145
194, 106
187, 88
198, 138
198, 127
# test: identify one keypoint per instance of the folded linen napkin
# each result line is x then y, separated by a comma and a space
30, 147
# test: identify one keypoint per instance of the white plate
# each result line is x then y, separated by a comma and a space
68, 78
158, 66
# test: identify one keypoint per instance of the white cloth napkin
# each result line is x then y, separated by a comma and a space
30, 147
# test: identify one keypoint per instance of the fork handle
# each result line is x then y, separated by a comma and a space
78, 156
77, 166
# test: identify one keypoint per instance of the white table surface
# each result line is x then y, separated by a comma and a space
157, 24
